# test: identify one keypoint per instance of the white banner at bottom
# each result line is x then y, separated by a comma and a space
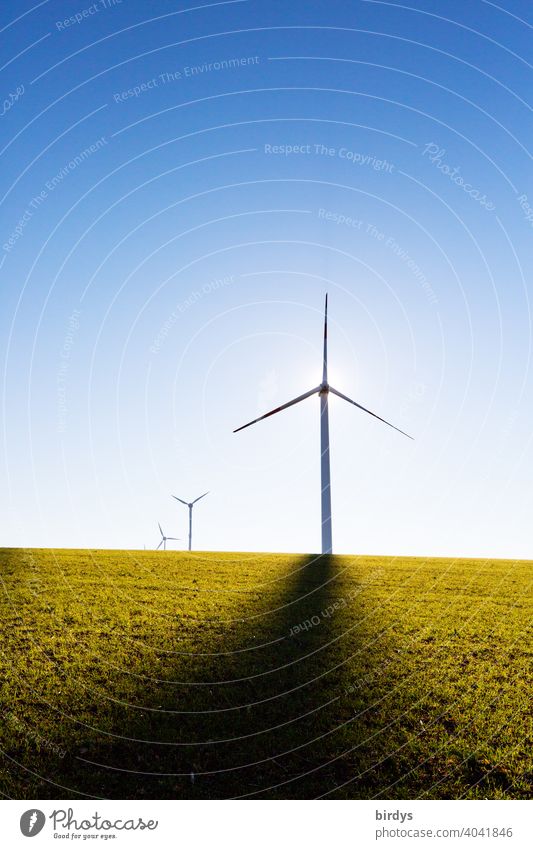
268, 824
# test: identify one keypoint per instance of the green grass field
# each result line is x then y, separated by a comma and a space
175, 675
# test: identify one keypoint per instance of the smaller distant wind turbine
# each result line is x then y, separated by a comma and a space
190, 505
164, 539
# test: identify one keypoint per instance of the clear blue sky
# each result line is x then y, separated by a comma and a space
180, 185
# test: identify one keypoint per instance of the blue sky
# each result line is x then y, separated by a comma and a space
181, 184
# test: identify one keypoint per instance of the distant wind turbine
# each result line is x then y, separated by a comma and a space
323, 391
164, 539
190, 505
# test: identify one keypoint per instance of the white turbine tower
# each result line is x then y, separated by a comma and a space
164, 539
323, 391
190, 505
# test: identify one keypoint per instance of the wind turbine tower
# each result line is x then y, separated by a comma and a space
190, 505
323, 391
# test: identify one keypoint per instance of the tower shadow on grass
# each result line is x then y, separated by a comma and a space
254, 728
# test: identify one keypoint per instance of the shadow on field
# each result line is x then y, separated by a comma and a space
255, 713
169, 675
274, 691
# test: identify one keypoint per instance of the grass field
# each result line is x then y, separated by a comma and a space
168, 675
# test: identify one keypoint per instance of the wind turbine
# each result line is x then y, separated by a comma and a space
164, 539
323, 392
190, 505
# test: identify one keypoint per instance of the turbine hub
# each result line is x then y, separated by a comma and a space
324, 389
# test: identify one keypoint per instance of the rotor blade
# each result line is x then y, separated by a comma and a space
161, 529
325, 357
176, 539
345, 398
159, 546
283, 407
200, 496
181, 499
